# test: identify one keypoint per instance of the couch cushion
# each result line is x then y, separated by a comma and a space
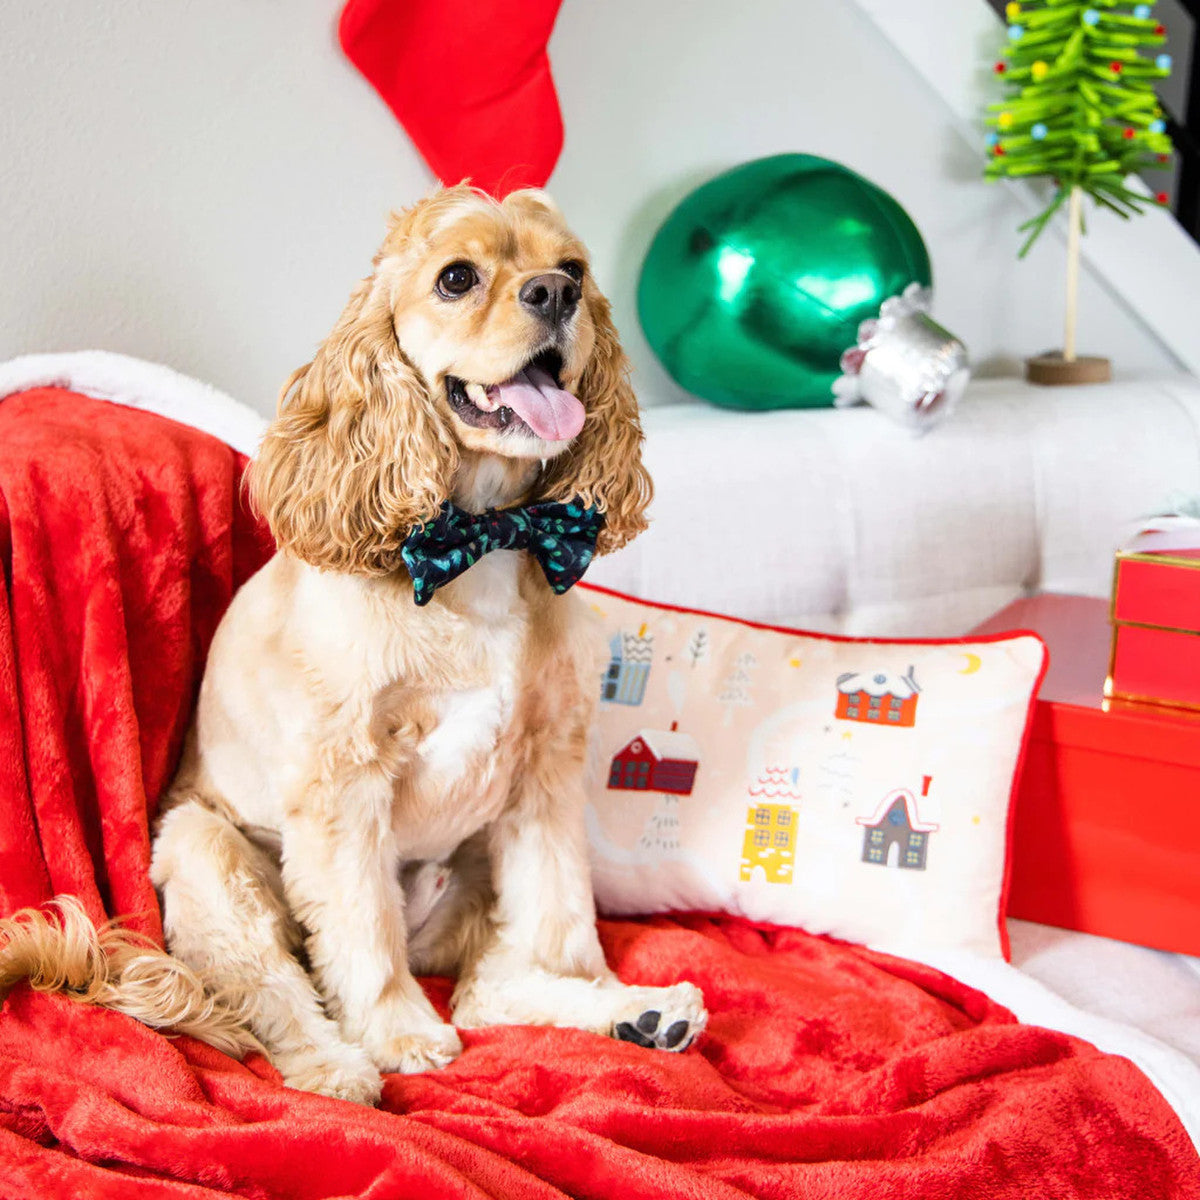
842, 521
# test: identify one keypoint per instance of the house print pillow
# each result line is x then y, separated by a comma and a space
856, 788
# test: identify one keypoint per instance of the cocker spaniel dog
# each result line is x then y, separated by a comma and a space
374, 786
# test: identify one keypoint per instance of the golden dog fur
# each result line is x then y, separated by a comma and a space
347, 740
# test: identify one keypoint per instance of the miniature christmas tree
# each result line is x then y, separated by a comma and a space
697, 647
661, 833
1081, 110
735, 690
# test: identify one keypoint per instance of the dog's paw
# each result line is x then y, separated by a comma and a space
663, 1018
343, 1072
412, 1053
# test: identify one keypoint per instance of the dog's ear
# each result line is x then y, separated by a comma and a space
358, 452
604, 465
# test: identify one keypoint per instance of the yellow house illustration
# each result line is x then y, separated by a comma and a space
770, 840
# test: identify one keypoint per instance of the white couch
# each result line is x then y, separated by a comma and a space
840, 520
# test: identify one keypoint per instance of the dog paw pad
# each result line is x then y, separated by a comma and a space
676, 1034
648, 1021
653, 1033
663, 1018
628, 1033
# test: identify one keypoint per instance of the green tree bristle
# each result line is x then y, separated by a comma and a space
1084, 106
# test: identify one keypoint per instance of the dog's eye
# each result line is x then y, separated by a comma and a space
574, 268
457, 279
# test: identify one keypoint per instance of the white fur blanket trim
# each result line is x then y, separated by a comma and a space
138, 384
1175, 1075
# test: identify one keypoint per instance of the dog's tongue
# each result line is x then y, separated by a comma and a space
549, 411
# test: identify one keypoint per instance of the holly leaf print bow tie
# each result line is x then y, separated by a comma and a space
562, 537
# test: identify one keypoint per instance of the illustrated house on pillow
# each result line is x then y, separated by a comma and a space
880, 698
628, 668
656, 761
896, 822
770, 841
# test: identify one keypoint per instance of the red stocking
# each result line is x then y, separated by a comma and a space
468, 79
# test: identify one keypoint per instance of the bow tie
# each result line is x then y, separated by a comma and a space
562, 537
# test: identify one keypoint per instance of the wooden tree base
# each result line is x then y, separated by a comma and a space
1052, 369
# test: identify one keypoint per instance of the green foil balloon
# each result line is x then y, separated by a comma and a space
757, 282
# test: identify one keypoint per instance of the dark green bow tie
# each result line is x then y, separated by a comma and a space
562, 537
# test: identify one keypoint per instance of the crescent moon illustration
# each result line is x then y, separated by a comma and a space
974, 662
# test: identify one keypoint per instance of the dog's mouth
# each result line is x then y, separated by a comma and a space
531, 402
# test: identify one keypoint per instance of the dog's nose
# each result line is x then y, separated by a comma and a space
552, 297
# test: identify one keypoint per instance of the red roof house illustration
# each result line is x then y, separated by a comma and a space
656, 761
880, 698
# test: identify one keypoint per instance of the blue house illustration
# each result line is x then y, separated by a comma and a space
628, 668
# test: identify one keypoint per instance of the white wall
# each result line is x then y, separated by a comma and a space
196, 183
201, 184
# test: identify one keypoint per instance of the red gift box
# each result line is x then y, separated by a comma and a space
1107, 802
1155, 653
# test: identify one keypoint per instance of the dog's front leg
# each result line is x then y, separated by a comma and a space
341, 877
543, 964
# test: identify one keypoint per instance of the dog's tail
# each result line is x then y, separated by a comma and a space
59, 949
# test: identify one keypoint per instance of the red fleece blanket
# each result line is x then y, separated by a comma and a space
826, 1070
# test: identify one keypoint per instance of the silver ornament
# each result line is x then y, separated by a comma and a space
905, 364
